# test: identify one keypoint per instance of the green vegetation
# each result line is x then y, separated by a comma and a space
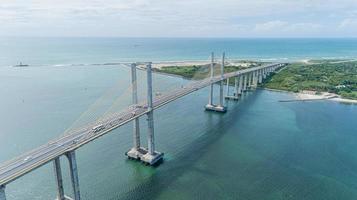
327, 76
195, 72
335, 76
203, 71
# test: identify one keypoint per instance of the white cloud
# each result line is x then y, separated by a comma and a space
175, 17
290, 29
348, 24
270, 26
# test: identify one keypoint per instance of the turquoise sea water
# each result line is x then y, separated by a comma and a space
260, 149
67, 51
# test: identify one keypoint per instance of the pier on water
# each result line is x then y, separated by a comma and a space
244, 80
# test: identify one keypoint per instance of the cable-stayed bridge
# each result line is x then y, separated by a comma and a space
67, 144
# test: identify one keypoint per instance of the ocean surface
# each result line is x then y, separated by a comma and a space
89, 51
260, 149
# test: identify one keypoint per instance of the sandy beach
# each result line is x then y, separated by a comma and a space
310, 96
160, 64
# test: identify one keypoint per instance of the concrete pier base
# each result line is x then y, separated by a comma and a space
152, 159
2, 192
136, 153
216, 108
65, 198
235, 98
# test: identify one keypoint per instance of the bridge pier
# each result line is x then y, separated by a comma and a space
71, 155
151, 157
235, 95
260, 76
136, 151
254, 79
59, 180
235, 87
2, 192
245, 82
248, 81
210, 106
240, 85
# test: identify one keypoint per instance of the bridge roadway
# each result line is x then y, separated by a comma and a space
13, 169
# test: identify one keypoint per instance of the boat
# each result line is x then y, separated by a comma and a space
21, 65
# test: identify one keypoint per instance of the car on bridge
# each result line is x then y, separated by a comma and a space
98, 128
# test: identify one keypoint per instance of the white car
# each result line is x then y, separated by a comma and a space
27, 158
98, 128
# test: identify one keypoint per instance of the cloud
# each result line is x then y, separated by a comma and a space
290, 29
348, 23
270, 26
176, 18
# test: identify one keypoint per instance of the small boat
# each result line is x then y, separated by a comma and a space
21, 65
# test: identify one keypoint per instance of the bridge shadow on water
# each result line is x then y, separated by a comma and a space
185, 160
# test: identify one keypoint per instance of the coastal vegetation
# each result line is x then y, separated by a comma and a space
339, 77
334, 76
198, 72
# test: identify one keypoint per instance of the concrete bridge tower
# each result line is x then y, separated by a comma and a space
210, 106
151, 157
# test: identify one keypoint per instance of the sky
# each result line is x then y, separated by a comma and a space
179, 18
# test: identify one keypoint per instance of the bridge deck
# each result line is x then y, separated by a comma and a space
13, 169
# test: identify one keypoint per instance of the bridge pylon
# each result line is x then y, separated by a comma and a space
136, 151
71, 155
152, 157
210, 106
146, 155
59, 180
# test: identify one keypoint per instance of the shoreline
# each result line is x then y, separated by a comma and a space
300, 96
185, 63
303, 96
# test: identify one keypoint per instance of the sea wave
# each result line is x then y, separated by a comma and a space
272, 59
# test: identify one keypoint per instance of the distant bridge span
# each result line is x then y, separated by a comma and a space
67, 144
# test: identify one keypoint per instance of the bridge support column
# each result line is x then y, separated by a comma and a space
264, 73
2, 192
234, 96
260, 75
74, 174
240, 86
220, 107
252, 80
227, 92
210, 100
248, 81
59, 180
255, 79
152, 157
245, 83
136, 151
221, 102
235, 86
